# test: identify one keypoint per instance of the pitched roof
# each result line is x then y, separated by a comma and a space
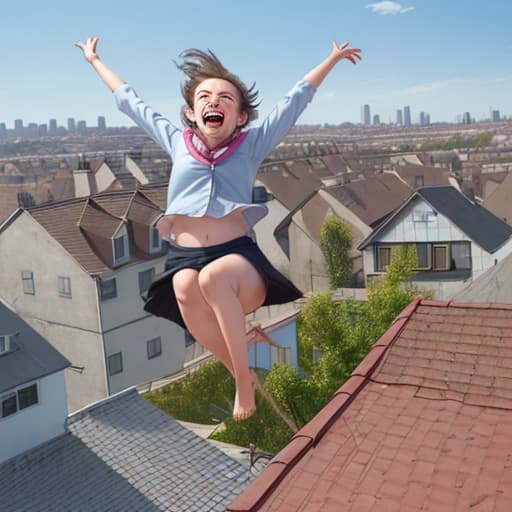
476, 222
498, 201
425, 422
122, 454
31, 358
494, 285
75, 222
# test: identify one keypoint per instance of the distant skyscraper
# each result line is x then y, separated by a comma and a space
71, 124
424, 119
427, 119
33, 130
399, 118
466, 118
52, 129
3, 130
81, 127
407, 116
18, 127
495, 115
102, 125
365, 115
376, 119
43, 130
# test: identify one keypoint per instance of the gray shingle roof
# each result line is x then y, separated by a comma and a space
121, 455
33, 357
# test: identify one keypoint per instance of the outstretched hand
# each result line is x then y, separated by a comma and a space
344, 51
89, 48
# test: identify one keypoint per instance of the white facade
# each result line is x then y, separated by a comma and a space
419, 223
37, 423
67, 310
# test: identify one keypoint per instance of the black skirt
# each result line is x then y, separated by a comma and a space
161, 300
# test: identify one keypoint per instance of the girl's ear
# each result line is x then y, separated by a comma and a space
190, 115
242, 119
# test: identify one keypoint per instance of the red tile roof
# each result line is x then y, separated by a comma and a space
424, 423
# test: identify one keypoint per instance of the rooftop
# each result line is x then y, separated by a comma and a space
424, 423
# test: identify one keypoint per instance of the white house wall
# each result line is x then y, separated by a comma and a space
36, 424
131, 341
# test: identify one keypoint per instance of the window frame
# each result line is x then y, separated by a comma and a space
122, 239
25, 279
15, 393
64, 287
154, 235
151, 272
150, 346
111, 371
104, 295
378, 249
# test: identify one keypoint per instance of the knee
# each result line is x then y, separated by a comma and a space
185, 288
211, 280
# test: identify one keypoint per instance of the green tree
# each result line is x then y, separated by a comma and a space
335, 243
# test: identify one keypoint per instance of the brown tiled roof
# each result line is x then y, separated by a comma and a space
78, 224
432, 176
372, 198
499, 201
424, 423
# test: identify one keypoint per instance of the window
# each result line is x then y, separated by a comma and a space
441, 257
154, 347
145, 279
418, 181
27, 281
64, 286
108, 289
18, 400
7, 343
383, 258
424, 252
461, 255
259, 194
156, 241
121, 249
115, 363
282, 355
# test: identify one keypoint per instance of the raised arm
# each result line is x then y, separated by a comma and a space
317, 75
111, 80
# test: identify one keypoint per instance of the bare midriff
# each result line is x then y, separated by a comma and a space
202, 231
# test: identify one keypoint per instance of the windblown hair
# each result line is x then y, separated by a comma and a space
198, 66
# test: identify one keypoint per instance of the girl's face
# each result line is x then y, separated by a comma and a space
217, 110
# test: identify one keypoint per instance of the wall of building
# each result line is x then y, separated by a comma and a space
38, 423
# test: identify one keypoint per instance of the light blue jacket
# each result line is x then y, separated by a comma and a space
197, 189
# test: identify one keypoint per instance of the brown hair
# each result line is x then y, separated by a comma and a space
198, 66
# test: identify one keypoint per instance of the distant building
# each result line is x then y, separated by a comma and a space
43, 130
365, 115
466, 118
81, 127
376, 119
399, 117
424, 119
52, 130
407, 116
33, 130
102, 125
71, 124
3, 130
18, 127
495, 116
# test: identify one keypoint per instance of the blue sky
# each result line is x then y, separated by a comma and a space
444, 57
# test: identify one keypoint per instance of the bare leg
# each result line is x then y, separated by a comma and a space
232, 287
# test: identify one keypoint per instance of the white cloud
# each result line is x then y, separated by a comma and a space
388, 7
430, 86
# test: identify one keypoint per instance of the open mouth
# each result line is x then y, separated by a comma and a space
213, 118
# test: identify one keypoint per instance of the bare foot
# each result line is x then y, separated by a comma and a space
256, 334
245, 405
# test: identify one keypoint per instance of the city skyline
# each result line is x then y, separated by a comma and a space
434, 56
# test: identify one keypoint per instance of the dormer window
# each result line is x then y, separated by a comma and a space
155, 240
7, 343
121, 246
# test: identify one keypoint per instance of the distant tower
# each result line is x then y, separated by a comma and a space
365, 115
71, 124
399, 118
3, 130
52, 127
495, 116
102, 125
466, 118
423, 121
427, 119
407, 116
376, 119
81, 127
18, 127
43, 130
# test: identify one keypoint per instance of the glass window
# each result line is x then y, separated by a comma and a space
64, 286
121, 251
281, 355
441, 254
424, 252
156, 242
154, 347
145, 279
115, 363
108, 288
27, 281
418, 181
27, 396
461, 255
9, 404
383, 258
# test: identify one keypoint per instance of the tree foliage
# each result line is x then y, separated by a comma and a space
335, 243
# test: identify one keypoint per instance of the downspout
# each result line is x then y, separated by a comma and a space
102, 338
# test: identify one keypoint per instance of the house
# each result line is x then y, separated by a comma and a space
32, 391
456, 240
362, 204
424, 423
75, 271
498, 202
417, 176
122, 454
